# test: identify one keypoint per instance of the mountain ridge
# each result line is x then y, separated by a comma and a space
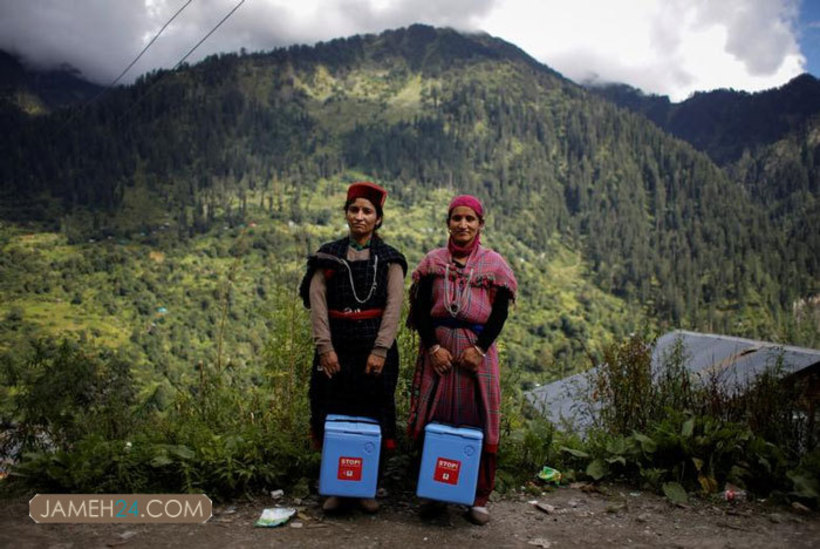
640, 216
724, 123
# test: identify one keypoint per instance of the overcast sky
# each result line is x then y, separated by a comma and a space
668, 47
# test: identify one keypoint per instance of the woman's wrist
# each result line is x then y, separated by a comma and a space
434, 349
481, 351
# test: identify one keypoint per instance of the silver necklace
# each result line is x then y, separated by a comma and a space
353, 286
454, 301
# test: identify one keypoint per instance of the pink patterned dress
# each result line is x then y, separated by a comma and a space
462, 298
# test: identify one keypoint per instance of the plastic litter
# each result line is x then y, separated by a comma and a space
732, 493
548, 474
800, 508
545, 507
275, 516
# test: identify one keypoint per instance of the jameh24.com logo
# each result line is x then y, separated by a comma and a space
133, 508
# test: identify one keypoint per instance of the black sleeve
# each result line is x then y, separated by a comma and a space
498, 315
424, 303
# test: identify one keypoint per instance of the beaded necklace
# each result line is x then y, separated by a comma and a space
454, 300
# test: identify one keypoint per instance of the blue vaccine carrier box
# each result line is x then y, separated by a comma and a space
350, 457
449, 463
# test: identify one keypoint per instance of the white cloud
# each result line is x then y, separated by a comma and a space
672, 47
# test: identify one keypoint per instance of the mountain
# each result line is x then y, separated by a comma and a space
39, 92
726, 123
612, 224
768, 141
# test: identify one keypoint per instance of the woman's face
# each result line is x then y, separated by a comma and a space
464, 225
362, 219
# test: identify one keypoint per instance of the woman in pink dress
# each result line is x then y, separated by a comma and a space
461, 298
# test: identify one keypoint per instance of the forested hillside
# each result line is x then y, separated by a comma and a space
171, 218
767, 142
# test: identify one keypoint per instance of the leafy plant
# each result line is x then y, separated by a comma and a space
694, 438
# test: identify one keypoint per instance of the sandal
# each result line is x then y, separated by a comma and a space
332, 504
369, 505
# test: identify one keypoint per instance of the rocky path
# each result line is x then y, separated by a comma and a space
577, 516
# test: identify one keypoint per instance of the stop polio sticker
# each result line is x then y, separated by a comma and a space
350, 468
446, 471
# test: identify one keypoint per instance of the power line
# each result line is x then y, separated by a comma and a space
128, 68
137, 58
153, 85
236, 7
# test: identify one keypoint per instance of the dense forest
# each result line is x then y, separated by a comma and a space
168, 212
766, 141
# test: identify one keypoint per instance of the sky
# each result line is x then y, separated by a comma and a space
665, 47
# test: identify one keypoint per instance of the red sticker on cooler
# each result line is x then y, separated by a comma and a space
350, 468
447, 471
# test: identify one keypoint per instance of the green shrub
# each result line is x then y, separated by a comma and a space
661, 429
64, 391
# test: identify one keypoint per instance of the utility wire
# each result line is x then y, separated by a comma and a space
153, 85
213, 30
137, 58
128, 68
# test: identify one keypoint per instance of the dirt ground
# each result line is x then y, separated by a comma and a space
574, 516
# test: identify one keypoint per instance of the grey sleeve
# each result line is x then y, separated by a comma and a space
392, 311
318, 313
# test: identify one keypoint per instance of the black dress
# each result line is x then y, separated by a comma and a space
351, 391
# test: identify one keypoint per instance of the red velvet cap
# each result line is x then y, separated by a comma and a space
368, 190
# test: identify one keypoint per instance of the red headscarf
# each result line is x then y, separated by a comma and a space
466, 200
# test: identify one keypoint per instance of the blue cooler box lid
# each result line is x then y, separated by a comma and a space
337, 423
465, 432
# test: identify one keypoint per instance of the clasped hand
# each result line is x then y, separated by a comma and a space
469, 359
329, 364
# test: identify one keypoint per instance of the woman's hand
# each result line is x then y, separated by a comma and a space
375, 363
329, 363
470, 359
441, 360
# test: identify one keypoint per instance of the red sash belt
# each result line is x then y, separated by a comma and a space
356, 315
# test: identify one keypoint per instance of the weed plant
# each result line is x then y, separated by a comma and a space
667, 429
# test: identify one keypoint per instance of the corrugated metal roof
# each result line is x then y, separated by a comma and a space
563, 402
734, 361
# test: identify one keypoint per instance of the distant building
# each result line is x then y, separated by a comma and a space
737, 362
